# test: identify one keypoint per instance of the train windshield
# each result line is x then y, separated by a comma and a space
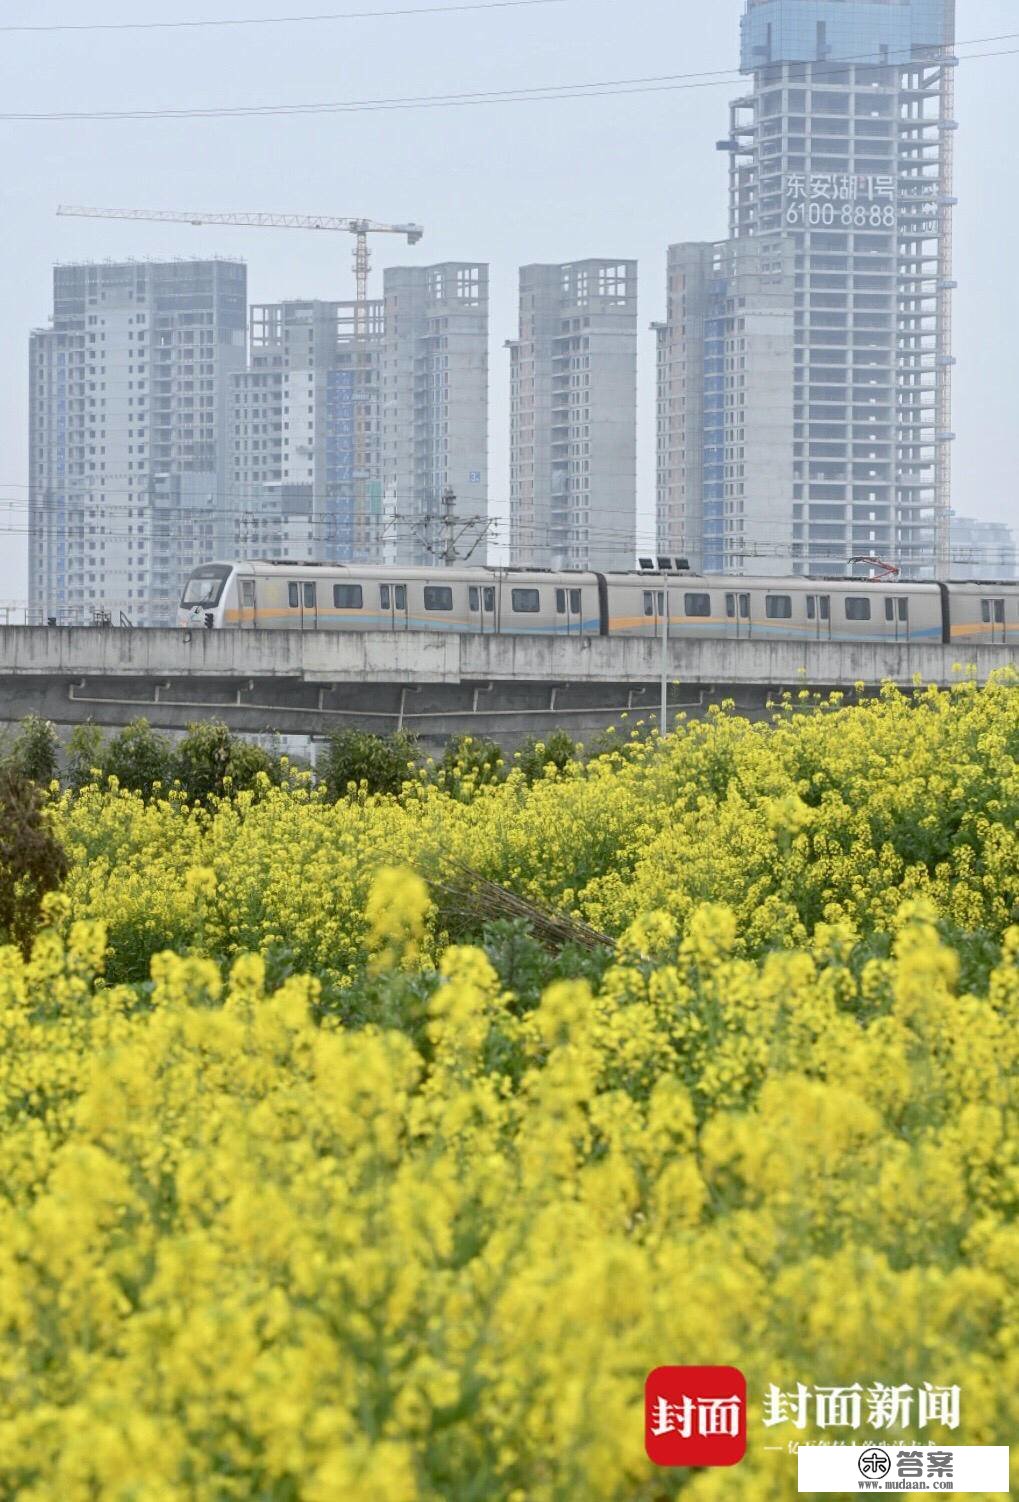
206, 584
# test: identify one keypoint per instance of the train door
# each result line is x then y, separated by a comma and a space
819, 615
897, 616
569, 612
302, 598
247, 614
393, 603
992, 615
737, 613
654, 609
481, 603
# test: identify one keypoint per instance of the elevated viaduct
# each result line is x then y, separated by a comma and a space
507, 687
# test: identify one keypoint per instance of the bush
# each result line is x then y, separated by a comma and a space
210, 762
35, 750
32, 861
138, 757
84, 755
535, 754
378, 763
469, 763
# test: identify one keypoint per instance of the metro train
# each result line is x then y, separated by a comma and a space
290, 596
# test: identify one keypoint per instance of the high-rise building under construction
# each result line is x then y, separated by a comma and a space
804, 364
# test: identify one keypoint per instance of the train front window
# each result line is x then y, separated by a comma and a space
206, 584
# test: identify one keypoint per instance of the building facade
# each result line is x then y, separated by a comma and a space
573, 416
306, 433
434, 394
982, 550
128, 469
840, 175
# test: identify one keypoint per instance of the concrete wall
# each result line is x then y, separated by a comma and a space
504, 687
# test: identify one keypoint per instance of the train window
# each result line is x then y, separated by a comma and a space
308, 591
526, 601
896, 605
560, 602
778, 607
811, 607
384, 597
473, 597
744, 605
824, 607
488, 596
348, 596
400, 596
992, 610
247, 594
697, 604
294, 595
857, 608
575, 601
438, 597
649, 602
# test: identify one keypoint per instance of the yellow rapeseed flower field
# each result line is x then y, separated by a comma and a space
305, 1199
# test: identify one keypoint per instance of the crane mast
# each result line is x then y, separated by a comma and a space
360, 229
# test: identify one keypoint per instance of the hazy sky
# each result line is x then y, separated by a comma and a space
507, 183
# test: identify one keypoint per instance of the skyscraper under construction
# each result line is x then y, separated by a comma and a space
804, 364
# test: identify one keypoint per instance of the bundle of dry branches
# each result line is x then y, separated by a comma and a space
468, 900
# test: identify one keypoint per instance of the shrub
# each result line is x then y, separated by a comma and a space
536, 754
32, 861
35, 749
83, 756
139, 757
209, 762
469, 763
377, 763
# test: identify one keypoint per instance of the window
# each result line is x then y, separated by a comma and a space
560, 601
488, 597
247, 594
697, 604
992, 610
308, 591
857, 608
574, 601
744, 606
348, 596
438, 597
400, 596
526, 601
778, 607
473, 597
818, 607
896, 605
294, 595
384, 597
572, 596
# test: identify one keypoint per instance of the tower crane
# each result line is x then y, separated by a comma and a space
359, 228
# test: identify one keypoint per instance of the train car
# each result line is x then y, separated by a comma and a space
780, 608
370, 597
292, 596
983, 614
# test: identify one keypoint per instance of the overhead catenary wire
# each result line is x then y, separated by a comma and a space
520, 94
223, 22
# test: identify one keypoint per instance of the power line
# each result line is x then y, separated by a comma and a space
345, 15
530, 94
